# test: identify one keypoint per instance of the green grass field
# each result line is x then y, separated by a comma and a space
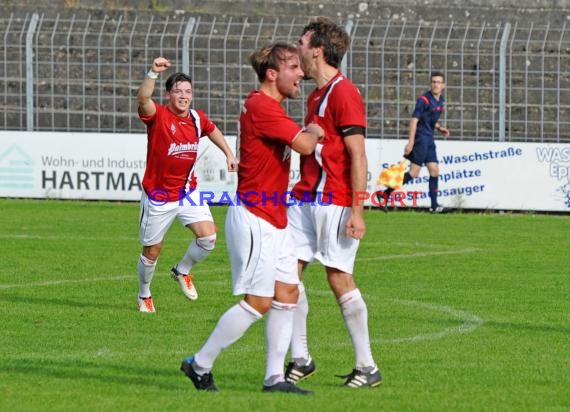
467, 312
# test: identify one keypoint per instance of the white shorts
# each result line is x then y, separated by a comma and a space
318, 233
156, 218
260, 254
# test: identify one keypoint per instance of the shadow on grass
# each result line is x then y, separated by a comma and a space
106, 372
81, 302
167, 377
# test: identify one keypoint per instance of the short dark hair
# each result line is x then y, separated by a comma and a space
437, 73
333, 38
175, 78
269, 57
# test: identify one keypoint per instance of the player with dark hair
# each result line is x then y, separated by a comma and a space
420, 149
330, 230
169, 183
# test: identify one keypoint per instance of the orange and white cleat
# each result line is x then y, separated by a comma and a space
146, 305
186, 284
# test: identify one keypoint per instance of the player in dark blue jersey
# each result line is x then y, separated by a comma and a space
420, 149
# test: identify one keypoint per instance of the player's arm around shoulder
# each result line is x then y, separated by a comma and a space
307, 139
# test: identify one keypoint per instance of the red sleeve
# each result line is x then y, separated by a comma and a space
348, 110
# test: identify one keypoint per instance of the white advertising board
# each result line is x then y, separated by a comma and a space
488, 175
106, 166
92, 166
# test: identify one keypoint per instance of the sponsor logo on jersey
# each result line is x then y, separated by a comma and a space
176, 149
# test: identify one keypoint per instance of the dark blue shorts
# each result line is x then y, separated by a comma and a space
423, 152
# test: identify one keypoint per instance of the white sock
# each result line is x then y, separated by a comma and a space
198, 250
355, 316
231, 326
278, 330
145, 268
299, 348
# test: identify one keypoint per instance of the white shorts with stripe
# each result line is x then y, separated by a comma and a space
260, 254
318, 232
156, 217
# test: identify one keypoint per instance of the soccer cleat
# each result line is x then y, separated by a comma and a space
296, 373
186, 284
286, 387
203, 382
359, 379
146, 305
438, 209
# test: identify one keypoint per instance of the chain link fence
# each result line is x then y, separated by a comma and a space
80, 73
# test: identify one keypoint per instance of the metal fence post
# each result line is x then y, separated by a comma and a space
503, 81
186, 45
30, 72
343, 63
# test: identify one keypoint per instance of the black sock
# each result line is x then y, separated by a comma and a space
433, 181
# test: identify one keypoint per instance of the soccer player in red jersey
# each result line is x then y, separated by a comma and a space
264, 267
170, 188
327, 223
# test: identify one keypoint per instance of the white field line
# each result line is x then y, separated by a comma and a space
30, 236
132, 277
125, 277
134, 238
418, 245
24, 236
423, 254
66, 281
469, 322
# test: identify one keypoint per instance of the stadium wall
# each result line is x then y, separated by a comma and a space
522, 11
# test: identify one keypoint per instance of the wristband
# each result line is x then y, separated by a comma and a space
152, 74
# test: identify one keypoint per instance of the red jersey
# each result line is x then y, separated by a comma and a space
327, 171
172, 149
266, 132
